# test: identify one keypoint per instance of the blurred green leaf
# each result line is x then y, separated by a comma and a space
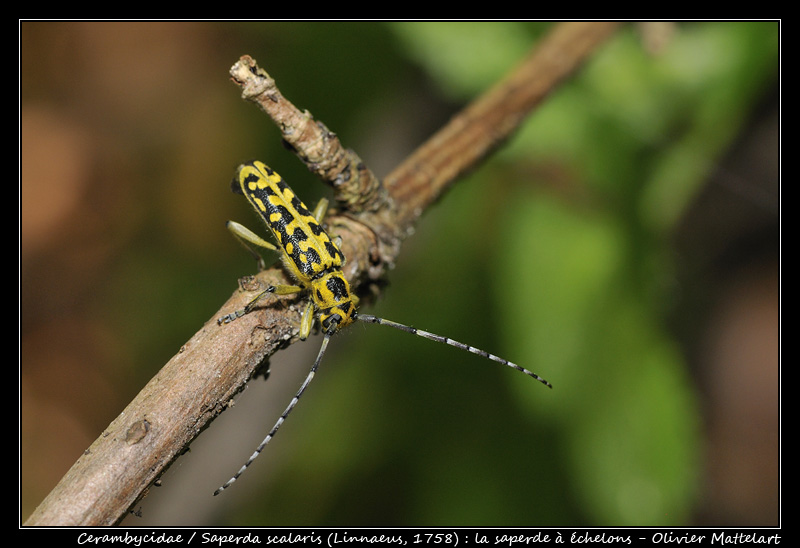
464, 58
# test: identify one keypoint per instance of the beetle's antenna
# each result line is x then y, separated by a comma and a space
326, 338
447, 340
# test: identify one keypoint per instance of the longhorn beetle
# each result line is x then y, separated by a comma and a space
315, 262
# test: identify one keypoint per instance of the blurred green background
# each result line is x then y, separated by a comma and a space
624, 245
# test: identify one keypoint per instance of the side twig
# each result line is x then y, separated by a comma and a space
196, 385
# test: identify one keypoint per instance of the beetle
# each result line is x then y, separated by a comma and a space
315, 262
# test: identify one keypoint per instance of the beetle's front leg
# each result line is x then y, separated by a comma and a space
273, 289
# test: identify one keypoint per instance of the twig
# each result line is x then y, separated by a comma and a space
356, 188
491, 119
197, 384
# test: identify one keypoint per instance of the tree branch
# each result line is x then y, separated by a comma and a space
198, 383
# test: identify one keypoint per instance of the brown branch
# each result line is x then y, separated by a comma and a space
491, 119
197, 384
355, 187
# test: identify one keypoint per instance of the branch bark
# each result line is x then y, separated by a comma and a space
198, 383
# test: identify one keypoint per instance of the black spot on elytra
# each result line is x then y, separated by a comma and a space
333, 251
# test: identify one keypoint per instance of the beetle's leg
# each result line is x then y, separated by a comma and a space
248, 238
